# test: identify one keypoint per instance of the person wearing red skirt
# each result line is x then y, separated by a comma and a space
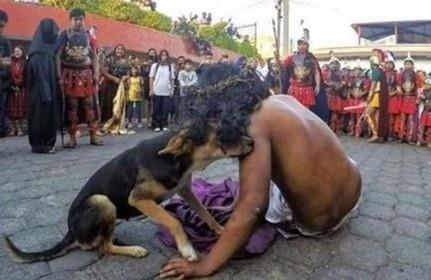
304, 71
424, 131
357, 93
78, 74
17, 105
334, 90
407, 86
394, 103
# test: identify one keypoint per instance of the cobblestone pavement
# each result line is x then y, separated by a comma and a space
389, 238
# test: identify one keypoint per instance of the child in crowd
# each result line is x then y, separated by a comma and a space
134, 98
187, 78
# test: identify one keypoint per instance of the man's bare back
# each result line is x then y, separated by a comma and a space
318, 180
296, 150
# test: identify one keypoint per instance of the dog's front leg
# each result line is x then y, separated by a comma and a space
187, 194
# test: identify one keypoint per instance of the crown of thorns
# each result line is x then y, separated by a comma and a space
221, 86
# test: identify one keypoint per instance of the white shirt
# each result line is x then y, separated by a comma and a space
263, 71
162, 79
187, 79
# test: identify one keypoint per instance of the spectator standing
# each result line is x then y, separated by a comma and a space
5, 62
162, 77
262, 69
134, 98
187, 78
17, 98
145, 73
43, 113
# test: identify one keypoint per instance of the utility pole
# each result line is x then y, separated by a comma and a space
277, 27
286, 38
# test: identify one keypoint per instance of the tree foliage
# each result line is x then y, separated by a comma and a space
218, 36
118, 10
129, 12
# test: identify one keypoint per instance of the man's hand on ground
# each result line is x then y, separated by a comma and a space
182, 269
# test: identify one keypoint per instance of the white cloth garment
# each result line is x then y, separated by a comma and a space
162, 79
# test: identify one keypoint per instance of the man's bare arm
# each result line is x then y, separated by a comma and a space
255, 175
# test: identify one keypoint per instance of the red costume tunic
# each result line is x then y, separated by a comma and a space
394, 106
302, 69
334, 91
17, 99
425, 119
77, 66
358, 90
407, 82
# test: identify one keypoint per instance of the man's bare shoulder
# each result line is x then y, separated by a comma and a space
277, 103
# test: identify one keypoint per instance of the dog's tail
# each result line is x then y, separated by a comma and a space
58, 250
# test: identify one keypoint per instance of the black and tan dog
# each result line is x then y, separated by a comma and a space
132, 184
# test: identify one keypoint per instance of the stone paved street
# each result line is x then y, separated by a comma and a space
389, 238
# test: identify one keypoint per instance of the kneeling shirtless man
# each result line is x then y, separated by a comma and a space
316, 179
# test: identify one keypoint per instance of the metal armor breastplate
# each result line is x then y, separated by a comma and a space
358, 87
302, 68
427, 101
391, 81
77, 49
335, 84
408, 82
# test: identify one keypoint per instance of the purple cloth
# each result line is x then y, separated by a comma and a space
218, 200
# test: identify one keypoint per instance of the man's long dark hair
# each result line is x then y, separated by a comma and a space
223, 102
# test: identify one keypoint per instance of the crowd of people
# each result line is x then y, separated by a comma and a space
404, 106
379, 103
66, 80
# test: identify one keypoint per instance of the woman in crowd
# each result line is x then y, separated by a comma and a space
17, 98
43, 113
145, 73
116, 67
273, 77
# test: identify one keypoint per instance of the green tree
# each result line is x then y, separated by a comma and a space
118, 10
217, 35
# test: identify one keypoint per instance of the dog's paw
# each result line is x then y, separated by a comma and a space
188, 252
139, 252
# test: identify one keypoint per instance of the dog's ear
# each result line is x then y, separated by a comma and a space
177, 145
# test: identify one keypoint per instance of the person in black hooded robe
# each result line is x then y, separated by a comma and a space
43, 111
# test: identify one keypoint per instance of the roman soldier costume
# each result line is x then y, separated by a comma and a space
77, 64
425, 118
334, 91
394, 103
383, 96
77, 55
302, 67
357, 92
407, 86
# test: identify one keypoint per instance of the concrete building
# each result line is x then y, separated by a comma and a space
400, 37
